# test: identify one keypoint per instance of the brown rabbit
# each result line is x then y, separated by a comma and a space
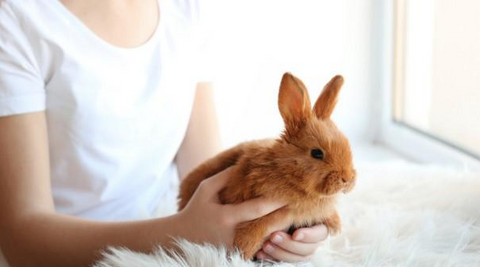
307, 166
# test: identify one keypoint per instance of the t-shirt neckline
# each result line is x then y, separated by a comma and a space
92, 35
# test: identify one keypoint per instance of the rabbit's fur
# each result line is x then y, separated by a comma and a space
285, 168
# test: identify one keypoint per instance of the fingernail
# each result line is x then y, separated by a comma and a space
299, 237
269, 249
277, 239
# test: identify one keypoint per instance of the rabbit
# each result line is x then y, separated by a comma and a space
307, 166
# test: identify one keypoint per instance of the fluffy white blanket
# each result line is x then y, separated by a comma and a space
398, 215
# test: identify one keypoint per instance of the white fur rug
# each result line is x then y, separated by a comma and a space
398, 215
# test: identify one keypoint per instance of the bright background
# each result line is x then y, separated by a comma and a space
257, 41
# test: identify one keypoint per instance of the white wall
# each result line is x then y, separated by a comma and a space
256, 41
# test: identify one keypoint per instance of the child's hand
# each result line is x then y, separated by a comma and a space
295, 248
205, 219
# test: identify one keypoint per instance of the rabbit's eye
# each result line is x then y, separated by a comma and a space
317, 153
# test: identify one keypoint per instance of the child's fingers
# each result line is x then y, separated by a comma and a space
280, 254
261, 255
314, 234
214, 184
255, 208
285, 241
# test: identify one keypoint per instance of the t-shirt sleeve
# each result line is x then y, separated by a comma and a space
22, 88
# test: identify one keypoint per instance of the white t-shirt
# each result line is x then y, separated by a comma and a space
116, 117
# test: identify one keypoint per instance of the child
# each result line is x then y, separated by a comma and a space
101, 102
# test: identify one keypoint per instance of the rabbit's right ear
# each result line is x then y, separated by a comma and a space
328, 98
293, 103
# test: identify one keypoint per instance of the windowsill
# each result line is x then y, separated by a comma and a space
370, 157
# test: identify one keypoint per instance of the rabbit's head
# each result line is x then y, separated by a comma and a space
316, 155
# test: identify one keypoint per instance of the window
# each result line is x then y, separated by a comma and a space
436, 73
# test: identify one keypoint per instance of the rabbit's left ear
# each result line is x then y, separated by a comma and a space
293, 101
328, 98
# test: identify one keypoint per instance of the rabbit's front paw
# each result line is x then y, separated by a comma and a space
333, 224
248, 243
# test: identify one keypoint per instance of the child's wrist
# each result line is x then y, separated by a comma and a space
178, 227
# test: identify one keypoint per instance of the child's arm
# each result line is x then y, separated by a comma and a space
33, 234
202, 140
